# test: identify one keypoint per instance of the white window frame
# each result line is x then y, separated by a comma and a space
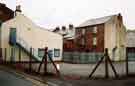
56, 52
95, 29
94, 41
83, 31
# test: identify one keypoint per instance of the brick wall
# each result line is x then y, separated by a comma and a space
88, 36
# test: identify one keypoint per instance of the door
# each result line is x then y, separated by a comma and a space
12, 36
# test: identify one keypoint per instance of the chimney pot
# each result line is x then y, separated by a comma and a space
63, 28
2, 5
56, 29
71, 26
18, 8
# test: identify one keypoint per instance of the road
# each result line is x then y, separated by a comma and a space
11, 79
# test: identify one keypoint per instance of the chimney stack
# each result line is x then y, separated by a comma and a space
120, 17
71, 26
2, 5
18, 10
56, 29
63, 28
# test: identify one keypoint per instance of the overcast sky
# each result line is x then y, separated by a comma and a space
52, 13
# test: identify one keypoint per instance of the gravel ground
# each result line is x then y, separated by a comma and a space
83, 70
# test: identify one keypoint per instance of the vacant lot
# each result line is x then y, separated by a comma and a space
84, 70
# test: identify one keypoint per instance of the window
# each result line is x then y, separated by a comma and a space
94, 41
40, 52
83, 31
50, 53
12, 36
83, 41
95, 29
56, 52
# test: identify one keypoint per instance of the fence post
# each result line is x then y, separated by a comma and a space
5, 55
106, 63
1, 56
19, 54
30, 60
45, 61
127, 72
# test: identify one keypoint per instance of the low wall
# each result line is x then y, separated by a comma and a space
81, 57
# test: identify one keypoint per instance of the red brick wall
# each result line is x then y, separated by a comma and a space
75, 45
68, 45
88, 47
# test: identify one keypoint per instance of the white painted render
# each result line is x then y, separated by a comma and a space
33, 35
115, 37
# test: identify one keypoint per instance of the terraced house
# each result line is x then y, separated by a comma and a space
94, 35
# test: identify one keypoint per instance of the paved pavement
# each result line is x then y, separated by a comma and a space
10, 79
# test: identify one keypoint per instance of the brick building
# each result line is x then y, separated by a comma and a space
94, 35
68, 36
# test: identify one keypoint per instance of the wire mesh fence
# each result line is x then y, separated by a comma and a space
24, 61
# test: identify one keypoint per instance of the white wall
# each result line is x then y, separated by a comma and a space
33, 35
110, 36
115, 36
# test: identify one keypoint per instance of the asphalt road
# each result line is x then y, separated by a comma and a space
11, 79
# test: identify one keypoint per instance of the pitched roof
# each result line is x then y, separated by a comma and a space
5, 13
96, 21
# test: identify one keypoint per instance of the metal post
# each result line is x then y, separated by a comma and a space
5, 55
99, 62
115, 73
19, 54
106, 63
30, 58
45, 63
40, 65
58, 73
127, 72
1, 56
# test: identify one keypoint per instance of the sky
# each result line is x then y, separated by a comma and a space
52, 13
